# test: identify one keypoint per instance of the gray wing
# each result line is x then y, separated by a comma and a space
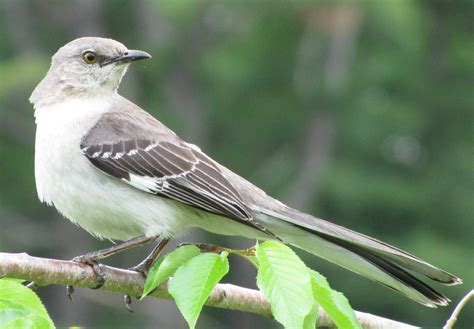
174, 170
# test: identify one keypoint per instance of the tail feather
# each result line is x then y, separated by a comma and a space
364, 255
397, 272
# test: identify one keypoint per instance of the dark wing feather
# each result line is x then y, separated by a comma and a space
172, 170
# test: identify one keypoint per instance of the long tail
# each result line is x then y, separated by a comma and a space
359, 253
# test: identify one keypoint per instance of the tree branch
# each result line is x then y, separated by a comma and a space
45, 271
454, 317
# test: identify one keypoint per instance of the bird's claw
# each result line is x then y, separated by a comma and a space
99, 273
142, 268
127, 300
69, 292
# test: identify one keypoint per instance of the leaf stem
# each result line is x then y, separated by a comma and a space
207, 247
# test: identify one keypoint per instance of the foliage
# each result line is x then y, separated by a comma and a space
20, 307
193, 283
166, 266
333, 302
294, 291
285, 281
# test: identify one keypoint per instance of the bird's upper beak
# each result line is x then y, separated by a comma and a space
129, 56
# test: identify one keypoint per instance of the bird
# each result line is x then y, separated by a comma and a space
116, 171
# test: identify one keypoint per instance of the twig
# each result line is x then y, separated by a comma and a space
453, 318
45, 271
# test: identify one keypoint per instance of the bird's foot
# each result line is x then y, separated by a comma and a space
69, 292
99, 273
143, 267
127, 301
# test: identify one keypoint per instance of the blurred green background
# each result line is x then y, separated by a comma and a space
357, 112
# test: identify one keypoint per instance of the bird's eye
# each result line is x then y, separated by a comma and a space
89, 57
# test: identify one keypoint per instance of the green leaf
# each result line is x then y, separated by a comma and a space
167, 265
310, 319
193, 282
32, 321
20, 307
334, 303
253, 260
284, 279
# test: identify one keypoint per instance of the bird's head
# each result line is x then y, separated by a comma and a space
85, 67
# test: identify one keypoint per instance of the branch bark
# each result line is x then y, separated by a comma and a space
45, 271
454, 317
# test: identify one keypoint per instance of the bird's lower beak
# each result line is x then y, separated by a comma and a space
130, 56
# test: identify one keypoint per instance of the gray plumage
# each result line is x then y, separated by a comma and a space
118, 172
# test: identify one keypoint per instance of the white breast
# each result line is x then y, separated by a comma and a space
104, 206
60, 128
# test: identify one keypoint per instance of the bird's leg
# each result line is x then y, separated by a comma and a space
145, 266
104, 253
92, 258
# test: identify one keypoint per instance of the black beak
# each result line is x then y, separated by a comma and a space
129, 56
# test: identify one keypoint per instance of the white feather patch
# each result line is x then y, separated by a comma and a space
151, 146
193, 146
144, 183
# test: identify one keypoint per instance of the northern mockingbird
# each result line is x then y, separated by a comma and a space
116, 171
